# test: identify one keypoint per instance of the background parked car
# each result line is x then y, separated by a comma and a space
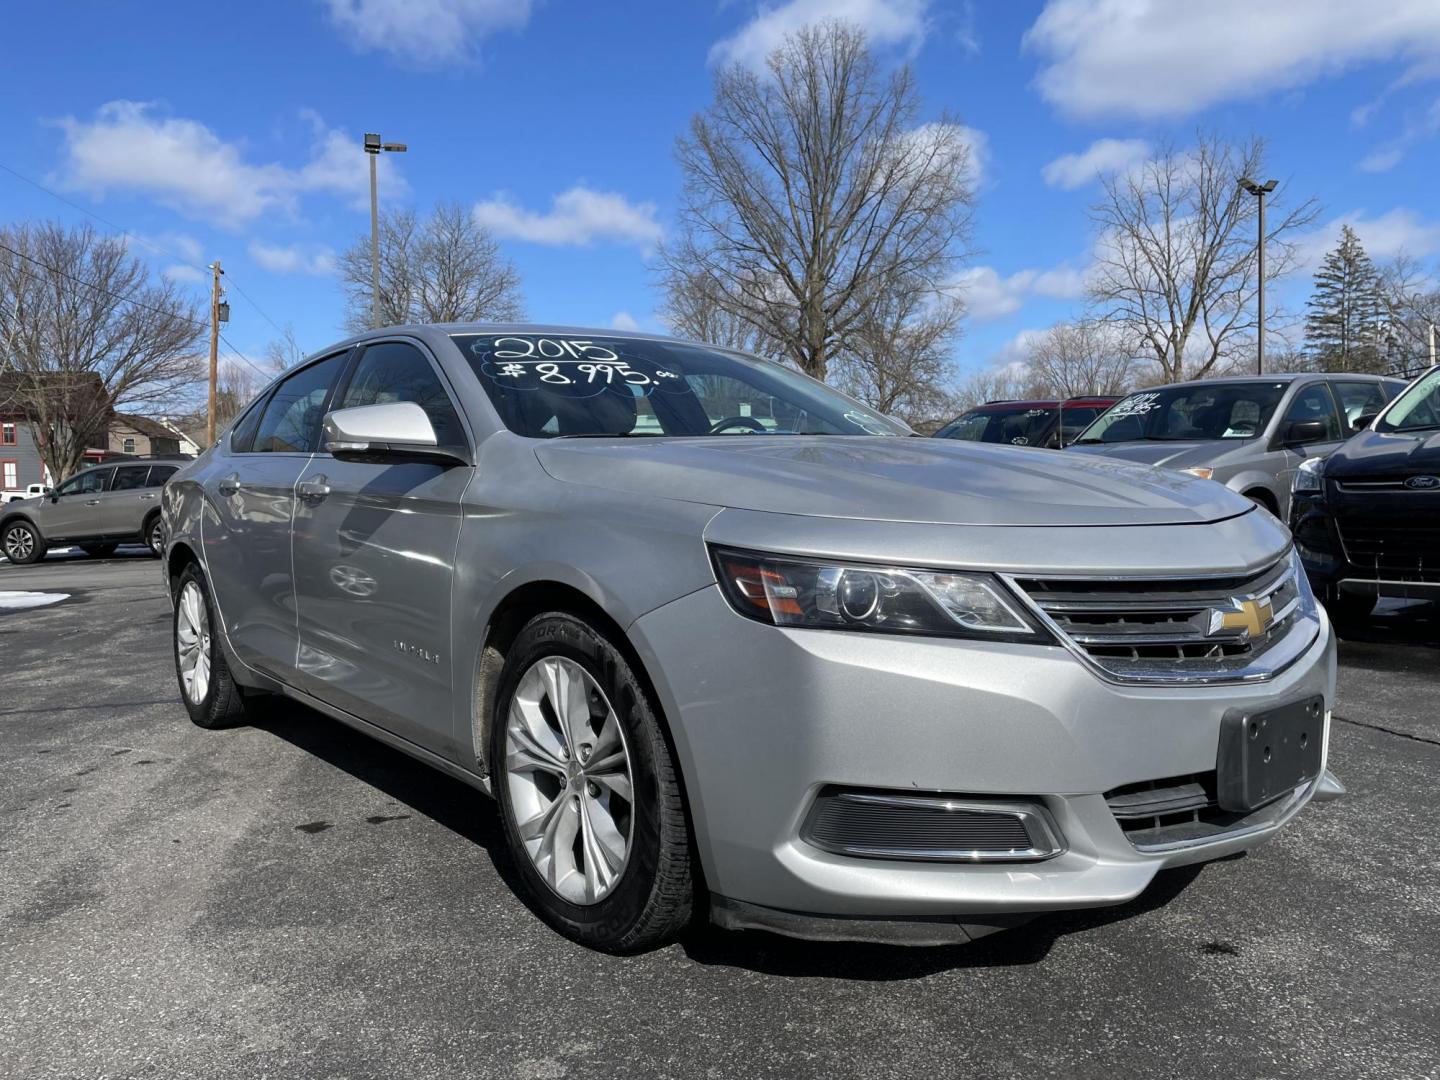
97, 510
1248, 433
32, 491
1049, 424
1367, 518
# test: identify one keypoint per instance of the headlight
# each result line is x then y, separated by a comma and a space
1310, 476
1203, 474
786, 591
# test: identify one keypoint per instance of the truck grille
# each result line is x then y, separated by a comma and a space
1392, 551
1213, 629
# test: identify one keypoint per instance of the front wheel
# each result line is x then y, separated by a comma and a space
210, 694
591, 803
22, 543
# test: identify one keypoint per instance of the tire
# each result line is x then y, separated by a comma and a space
99, 551
209, 693
154, 534
618, 902
22, 543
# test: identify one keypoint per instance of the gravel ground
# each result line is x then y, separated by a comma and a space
293, 900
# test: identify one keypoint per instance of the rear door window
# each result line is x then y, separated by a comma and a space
291, 421
1359, 399
159, 474
129, 477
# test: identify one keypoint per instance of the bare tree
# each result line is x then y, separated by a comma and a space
695, 309
284, 352
1176, 253
898, 358
809, 189
83, 331
446, 268
1079, 359
1410, 302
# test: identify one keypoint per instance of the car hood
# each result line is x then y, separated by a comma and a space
891, 479
1387, 453
1167, 454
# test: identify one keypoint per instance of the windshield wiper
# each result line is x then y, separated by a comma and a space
612, 435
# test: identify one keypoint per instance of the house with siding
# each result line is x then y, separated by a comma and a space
141, 436
21, 463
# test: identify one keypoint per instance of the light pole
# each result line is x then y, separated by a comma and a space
373, 147
1259, 191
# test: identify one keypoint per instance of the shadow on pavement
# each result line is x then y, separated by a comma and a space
469, 814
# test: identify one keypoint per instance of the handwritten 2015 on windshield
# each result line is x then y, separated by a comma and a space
528, 362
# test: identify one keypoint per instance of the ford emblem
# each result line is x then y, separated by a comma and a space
1423, 483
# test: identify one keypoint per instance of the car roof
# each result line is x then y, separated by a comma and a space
1279, 376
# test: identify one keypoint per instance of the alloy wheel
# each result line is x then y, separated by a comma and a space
157, 537
192, 642
19, 543
569, 778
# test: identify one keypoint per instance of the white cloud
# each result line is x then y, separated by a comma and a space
187, 275
1153, 59
1397, 231
1103, 156
293, 259
130, 147
426, 31
989, 296
886, 22
577, 217
623, 320
1381, 160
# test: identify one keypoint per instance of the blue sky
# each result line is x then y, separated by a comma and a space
233, 131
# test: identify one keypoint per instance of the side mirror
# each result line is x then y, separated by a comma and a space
1303, 432
382, 432
1363, 421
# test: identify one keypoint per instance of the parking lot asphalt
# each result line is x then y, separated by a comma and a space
294, 900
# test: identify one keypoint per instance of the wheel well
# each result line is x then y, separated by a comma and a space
180, 557
510, 616
1264, 498
5, 523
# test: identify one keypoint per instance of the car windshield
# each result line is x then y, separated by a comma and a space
1209, 411
559, 385
1022, 425
1418, 408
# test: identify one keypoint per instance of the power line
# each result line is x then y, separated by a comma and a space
146, 241
131, 300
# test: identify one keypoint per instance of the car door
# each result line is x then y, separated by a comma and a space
73, 512
1311, 402
250, 501
374, 546
123, 506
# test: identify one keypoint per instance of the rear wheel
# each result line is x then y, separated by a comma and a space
155, 534
99, 551
592, 809
22, 543
210, 694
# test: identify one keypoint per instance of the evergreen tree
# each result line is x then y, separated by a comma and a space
1344, 326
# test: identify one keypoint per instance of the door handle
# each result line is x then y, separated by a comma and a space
92, 502
313, 490
149, 496
229, 485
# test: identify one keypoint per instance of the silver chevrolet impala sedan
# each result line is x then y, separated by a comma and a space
720, 640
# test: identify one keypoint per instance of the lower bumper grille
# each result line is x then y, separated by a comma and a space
1395, 551
1180, 810
888, 825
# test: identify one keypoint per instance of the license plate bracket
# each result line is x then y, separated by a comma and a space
1266, 754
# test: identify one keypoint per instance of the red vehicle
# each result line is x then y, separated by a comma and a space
1048, 424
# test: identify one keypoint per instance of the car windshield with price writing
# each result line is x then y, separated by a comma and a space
553, 387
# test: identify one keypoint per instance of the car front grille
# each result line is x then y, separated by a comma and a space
1392, 550
1211, 629
945, 828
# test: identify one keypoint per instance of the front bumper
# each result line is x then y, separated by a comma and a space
763, 718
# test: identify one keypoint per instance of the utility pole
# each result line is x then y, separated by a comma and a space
215, 273
1260, 191
373, 147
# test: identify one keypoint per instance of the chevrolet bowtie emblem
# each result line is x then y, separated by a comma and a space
1251, 617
